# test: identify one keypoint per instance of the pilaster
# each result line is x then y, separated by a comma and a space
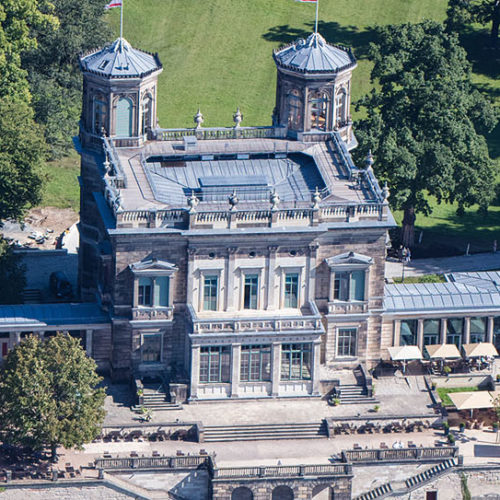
466, 339
235, 369
420, 334
195, 371
271, 271
315, 368
88, 342
276, 369
443, 330
489, 329
231, 256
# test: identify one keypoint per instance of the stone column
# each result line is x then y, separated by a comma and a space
190, 278
136, 291
89, 338
315, 368
397, 332
231, 252
443, 330
420, 334
235, 369
41, 335
466, 335
489, 329
276, 369
311, 272
271, 269
16, 338
195, 371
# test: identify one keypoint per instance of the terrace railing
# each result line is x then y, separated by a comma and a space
122, 463
283, 471
399, 455
218, 133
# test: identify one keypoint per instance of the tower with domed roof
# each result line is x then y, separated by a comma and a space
119, 94
313, 90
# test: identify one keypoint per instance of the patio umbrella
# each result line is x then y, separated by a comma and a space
482, 349
471, 400
404, 353
442, 351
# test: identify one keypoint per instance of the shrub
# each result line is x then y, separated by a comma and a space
451, 439
376, 408
447, 370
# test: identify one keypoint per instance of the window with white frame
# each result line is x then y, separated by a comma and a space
291, 290
250, 291
215, 364
296, 361
255, 363
153, 292
349, 286
346, 342
210, 292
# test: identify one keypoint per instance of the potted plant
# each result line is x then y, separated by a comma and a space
335, 401
495, 426
447, 370
433, 386
451, 439
462, 426
446, 428
498, 377
376, 408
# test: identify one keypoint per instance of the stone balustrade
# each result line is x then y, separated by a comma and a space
123, 463
258, 324
227, 219
152, 313
347, 307
399, 455
283, 471
220, 133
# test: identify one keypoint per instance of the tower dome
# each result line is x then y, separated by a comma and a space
313, 92
314, 55
119, 94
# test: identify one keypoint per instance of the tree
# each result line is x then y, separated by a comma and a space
49, 395
22, 155
425, 120
462, 12
53, 67
12, 275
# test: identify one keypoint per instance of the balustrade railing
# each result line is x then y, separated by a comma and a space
152, 313
347, 307
119, 174
401, 454
283, 471
221, 133
184, 462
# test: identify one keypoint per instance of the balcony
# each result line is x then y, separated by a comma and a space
339, 308
307, 320
152, 313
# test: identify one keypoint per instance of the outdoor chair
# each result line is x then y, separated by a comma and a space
180, 453
357, 447
383, 446
411, 444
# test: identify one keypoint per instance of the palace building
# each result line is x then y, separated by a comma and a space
240, 262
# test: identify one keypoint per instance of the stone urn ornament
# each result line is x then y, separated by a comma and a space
233, 201
237, 118
275, 200
198, 118
192, 203
316, 198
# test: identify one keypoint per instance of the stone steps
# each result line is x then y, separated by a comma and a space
355, 394
429, 474
376, 492
304, 430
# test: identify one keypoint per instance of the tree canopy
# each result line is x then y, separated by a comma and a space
461, 12
49, 395
12, 275
425, 120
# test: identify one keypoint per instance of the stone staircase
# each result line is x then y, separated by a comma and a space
410, 484
356, 393
378, 492
155, 398
303, 430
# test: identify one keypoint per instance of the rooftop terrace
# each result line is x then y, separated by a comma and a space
250, 179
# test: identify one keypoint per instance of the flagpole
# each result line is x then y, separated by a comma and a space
316, 24
121, 22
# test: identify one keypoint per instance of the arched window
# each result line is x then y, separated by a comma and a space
124, 110
318, 105
294, 106
282, 493
242, 493
341, 108
100, 115
147, 113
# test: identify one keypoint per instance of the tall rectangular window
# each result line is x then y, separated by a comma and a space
210, 288
145, 292
431, 331
349, 286
454, 330
255, 363
296, 362
151, 349
215, 364
251, 291
292, 290
346, 342
409, 332
477, 330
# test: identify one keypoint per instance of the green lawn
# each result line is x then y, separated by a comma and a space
427, 278
444, 391
62, 189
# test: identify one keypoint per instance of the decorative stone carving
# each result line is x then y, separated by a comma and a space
385, 192
237, 118
198, 119
316, 198
233, 201
192, 203
275, 200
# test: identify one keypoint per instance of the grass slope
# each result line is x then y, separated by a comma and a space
444, 391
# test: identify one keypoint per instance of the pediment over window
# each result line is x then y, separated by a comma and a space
349, 259
153, 267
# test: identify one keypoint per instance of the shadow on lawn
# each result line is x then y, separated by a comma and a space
333, 32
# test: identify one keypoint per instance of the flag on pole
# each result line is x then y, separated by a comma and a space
113, 3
